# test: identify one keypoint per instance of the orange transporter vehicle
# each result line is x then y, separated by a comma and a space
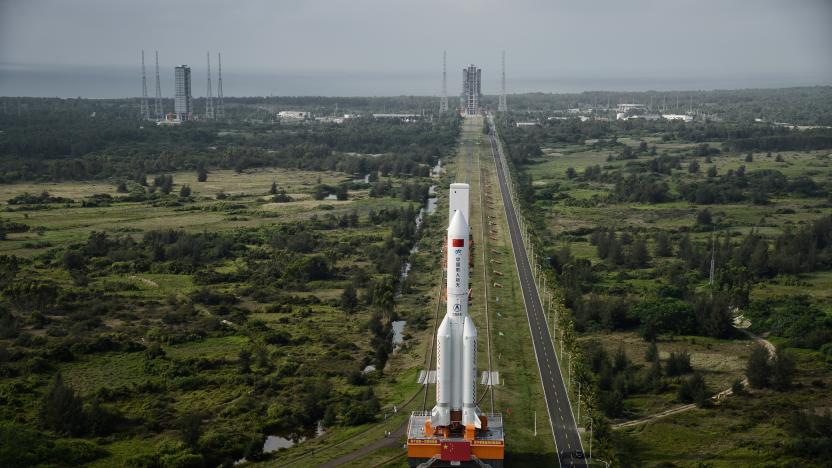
446, 447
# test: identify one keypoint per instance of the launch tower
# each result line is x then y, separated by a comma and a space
471, 90
456, 432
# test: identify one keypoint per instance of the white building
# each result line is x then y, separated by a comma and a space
682, 117
296, 115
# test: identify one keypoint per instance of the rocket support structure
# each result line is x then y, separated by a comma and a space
456, 432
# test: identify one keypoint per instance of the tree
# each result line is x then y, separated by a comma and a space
164, 183
758, 369
73, 260
201, 174
712, 171
620, 361
9, 327
693, 167
664, 245
704, 218
652, 353
122, 187
639, 255
570, 173
678, 364
244, 361
749, 157
185, 191
613, 404
190, 428
782, 370
694, 390
61, 410
349, 298
273, 188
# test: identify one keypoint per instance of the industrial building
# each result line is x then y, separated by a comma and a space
682, 117
182, 105
293, 115
471, 90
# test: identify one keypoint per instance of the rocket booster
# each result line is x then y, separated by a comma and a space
456, 339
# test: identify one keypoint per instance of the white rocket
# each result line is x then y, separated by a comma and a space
456, 338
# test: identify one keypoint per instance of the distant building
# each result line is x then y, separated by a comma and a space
170, 119
405, 117
526, 124
471, 90
682, 117
182, 106
296, 115
631, 107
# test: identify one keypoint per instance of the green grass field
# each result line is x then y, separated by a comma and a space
719, 436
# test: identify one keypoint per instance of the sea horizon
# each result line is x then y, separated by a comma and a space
115, 82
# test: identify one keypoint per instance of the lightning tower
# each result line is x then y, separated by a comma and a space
145, 109
503, 107
158, 109
220, 106
209, 101
443, 104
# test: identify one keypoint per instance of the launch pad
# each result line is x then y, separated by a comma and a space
485, 449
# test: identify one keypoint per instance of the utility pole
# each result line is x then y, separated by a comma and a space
569, 362
535, 423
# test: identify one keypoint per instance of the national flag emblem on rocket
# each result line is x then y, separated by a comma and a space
458, 243
456, 451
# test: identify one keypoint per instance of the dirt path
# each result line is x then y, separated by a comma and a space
739, 324
393, 440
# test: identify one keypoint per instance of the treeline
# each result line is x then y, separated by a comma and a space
798, 319
798, 105
646, 183
794, 141
617, 377
676, 307
66, 147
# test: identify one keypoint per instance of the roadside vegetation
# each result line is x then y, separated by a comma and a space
668, 241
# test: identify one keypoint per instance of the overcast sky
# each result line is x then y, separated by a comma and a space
633, 38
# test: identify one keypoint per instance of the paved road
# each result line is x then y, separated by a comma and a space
567, 439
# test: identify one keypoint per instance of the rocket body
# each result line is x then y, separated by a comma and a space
456, 338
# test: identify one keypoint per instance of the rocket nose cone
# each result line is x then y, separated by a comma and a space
458, 227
